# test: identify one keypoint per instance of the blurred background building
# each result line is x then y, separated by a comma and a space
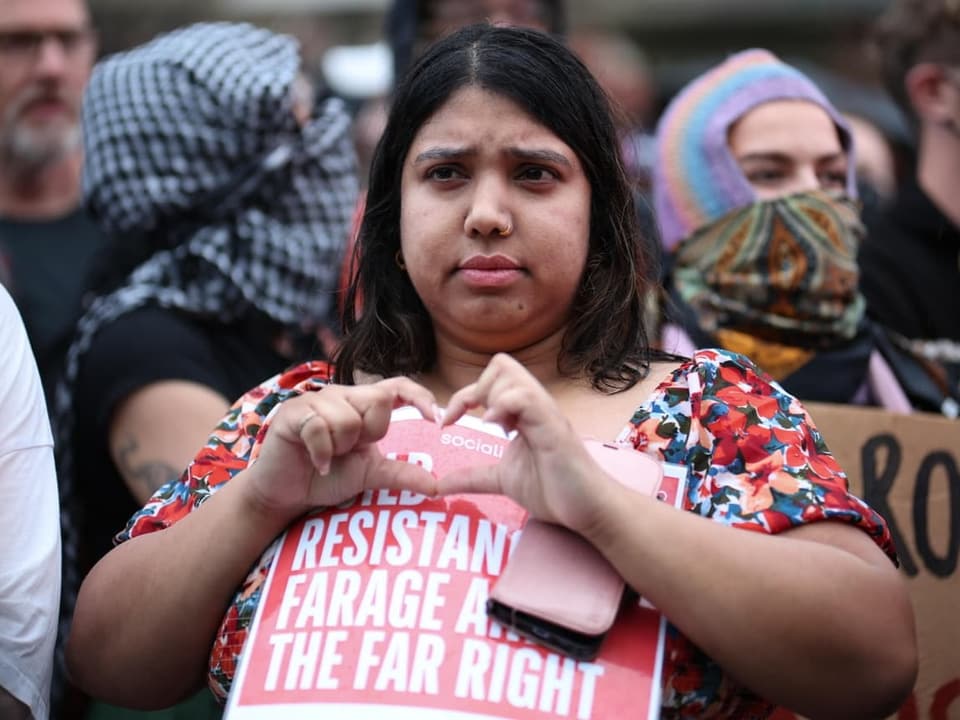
669, 29
673, 41
673, 32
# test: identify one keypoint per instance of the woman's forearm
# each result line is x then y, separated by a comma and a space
148, 612
815, 619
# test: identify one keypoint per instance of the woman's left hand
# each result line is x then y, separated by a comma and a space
546, 468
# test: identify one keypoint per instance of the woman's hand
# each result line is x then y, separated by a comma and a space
320, 448
546, 468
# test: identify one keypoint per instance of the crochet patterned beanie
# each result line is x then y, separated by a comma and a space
696, 177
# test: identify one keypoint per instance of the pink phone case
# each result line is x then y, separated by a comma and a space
556, 576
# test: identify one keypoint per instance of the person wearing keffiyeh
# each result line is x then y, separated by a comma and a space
755, 195
227, 192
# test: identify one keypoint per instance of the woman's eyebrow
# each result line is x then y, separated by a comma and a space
842, 155
458, 153
547, 156
785, 158
764, 157
444, 153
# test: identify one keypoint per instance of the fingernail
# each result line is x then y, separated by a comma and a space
324, 470
438, 414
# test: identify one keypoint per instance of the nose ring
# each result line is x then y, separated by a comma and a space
506, 231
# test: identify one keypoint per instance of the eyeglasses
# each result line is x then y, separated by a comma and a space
24, 45
952, 74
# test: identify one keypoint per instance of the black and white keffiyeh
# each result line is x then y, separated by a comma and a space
191, 143
191, 139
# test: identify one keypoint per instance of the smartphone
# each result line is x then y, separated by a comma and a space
557, 589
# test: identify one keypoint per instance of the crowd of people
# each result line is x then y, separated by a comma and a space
198, 273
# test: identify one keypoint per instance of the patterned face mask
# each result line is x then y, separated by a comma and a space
782, 270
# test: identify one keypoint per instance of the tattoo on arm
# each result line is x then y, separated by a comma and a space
143, 477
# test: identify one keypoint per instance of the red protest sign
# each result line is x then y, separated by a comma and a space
378, 608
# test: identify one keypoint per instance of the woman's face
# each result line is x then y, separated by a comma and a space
494, 222
789, 146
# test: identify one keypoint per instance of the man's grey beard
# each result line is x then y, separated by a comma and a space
24, 149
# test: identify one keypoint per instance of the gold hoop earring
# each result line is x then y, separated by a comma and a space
398, 258
506, 231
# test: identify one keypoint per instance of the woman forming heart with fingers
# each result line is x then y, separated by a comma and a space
502, 276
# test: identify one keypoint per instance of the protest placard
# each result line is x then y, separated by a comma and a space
378, 609
907, 467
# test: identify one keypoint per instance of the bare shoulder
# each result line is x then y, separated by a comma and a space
660, 372
604, 416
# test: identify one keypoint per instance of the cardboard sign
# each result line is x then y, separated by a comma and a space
378, 609
907, 468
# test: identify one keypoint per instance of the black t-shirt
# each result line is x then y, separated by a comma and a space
46, 265
910, 275
910, 268
144, 346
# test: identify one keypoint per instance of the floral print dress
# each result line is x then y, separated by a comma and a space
756, 461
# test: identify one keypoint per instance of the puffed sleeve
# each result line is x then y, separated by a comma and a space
756, 460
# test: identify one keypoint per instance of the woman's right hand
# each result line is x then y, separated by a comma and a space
320, 449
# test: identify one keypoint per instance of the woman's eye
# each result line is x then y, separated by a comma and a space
834, 179
444, 173
537, 174
765, 176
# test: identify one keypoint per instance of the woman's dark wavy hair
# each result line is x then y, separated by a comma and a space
605, 338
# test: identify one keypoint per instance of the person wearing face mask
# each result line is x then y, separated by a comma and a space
755, 195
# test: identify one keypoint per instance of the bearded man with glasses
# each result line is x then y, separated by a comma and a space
47, 49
